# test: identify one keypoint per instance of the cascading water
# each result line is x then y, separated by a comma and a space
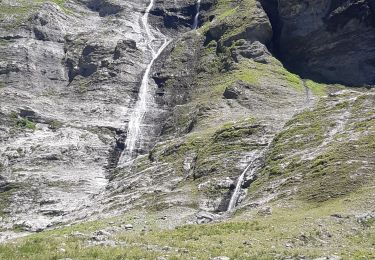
255, 162
236, 192
196, 17
134, 134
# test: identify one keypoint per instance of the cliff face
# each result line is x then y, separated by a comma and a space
329, 41
225, 125
69, 78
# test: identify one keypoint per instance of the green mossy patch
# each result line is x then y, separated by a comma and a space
213, 148
5, 196
18, 12
332, 147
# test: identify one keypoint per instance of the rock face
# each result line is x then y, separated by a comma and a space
330, 41
70, 74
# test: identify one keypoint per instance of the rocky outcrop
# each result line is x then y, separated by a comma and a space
330, 41
69, 75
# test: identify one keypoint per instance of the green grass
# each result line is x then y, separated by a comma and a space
213, 148
302, 229
335, 163
25, 123
20, 10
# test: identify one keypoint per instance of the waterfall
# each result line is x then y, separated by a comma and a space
236, 192
195, 24
134, 134
254, 167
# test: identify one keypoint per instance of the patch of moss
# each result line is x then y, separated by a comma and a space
316, 88
25, 123
5, 197
332, 163
213, 148
55, 124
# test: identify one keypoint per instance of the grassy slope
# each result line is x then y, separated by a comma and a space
308, 230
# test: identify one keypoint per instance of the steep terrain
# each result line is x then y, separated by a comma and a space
329, 41
139, 117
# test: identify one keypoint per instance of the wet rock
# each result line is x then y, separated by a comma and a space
104, 7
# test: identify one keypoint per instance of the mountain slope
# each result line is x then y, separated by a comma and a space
227, 127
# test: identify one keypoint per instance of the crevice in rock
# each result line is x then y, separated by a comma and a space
116, 151
271, 7
303, 40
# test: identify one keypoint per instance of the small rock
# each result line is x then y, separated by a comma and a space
232, 92
128, 226
333, 257
77, 234
221, 258
247, 243
265, 211
288, 245
204, 217
225, 183
102, 233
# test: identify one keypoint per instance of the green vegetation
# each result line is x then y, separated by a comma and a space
290, 231
316, 88
16, 13
5, 196
55, 124
328, 150
25, 123
21, 122
215, 149
83, 86
237, 18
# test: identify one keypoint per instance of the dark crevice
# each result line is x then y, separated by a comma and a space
104, 7
301, 50
271, 7
116, 151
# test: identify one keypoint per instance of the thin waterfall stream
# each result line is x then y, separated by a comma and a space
134, 134
196, 17
254, 164
236, 193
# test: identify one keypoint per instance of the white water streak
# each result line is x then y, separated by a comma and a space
144, 97
196, 18
236, 192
